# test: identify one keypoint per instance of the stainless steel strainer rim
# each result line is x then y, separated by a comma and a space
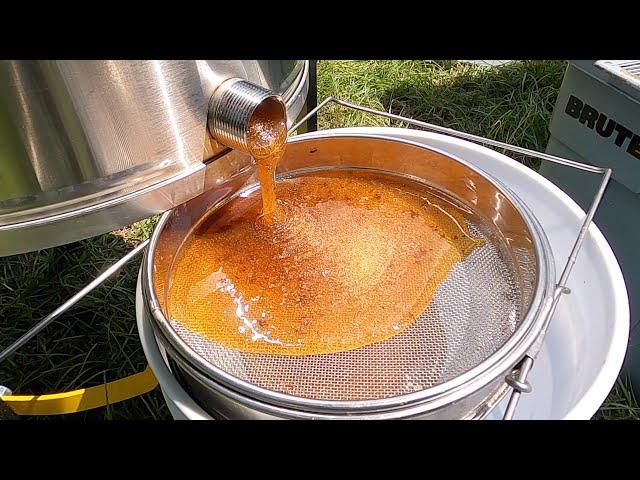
500, 362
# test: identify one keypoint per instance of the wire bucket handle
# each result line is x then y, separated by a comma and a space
517, 378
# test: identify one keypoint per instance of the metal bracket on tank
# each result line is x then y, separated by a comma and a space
517, 378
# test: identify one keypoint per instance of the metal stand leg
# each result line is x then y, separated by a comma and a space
38, 327
312, 96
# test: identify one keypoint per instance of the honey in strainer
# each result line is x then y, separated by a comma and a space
353, 259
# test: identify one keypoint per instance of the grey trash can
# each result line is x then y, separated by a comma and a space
596, 120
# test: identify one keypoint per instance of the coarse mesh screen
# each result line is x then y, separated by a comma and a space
474, 311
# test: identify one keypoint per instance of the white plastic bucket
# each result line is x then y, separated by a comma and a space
586, 342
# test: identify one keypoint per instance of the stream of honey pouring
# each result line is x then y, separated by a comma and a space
339, 261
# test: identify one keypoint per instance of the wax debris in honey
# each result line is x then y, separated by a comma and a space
352, 260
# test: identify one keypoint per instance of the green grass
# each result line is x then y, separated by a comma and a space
511, 103
620, 404
97, 341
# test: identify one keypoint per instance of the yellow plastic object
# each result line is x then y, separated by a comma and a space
84, 398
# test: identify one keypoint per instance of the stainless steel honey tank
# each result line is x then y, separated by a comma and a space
90, 146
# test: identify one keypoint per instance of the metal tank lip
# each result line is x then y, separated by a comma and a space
499, 363
292, 100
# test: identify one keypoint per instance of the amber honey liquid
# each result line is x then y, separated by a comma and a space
266, 137
352, 260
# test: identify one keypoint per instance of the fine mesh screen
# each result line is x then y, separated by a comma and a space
474, 311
